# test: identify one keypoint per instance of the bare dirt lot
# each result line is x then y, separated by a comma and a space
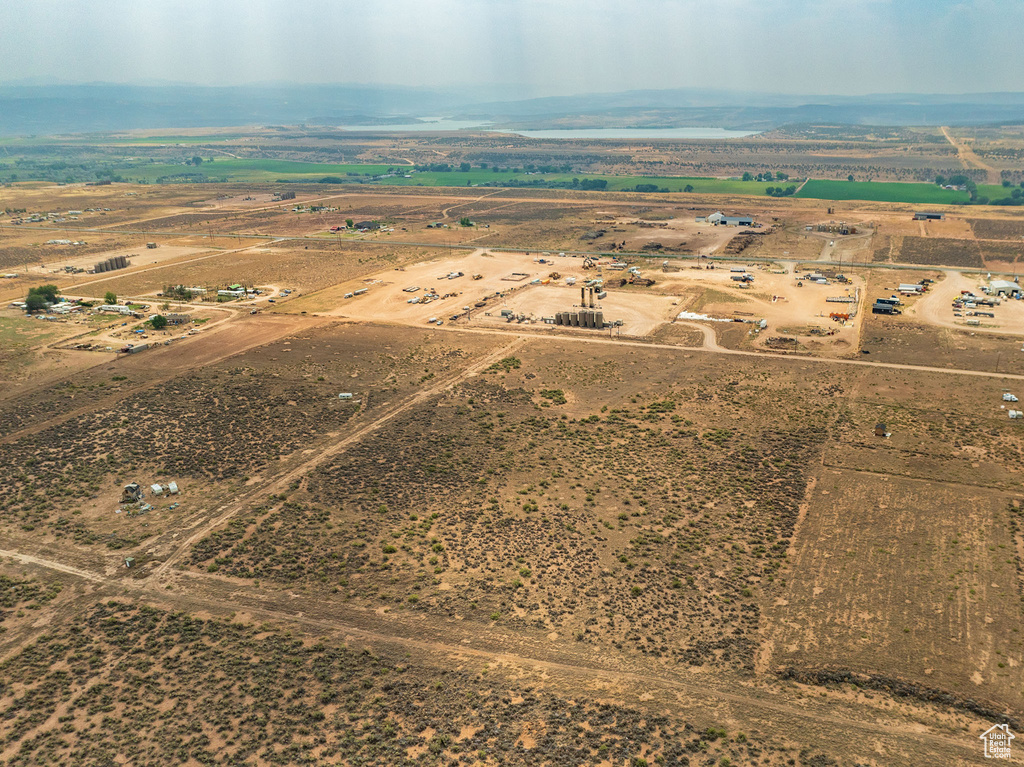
927, 559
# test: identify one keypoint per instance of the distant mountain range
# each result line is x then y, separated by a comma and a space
51, 109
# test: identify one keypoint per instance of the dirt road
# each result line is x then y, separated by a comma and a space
716, 349
752, 700
49, 564
969, 159
328, 452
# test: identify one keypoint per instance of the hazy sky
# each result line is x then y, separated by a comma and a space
547, 47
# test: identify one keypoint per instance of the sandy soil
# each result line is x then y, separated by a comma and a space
935, 308
138, 256
774, 297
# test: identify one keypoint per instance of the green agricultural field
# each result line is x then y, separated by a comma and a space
994, 191
615, 183
251, 170
878, 191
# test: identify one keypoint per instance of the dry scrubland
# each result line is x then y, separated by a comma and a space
509, 548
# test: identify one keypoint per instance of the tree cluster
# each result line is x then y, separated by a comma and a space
38, 298
766, 176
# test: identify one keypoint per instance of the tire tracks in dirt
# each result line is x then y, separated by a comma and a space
331, 451
758, 702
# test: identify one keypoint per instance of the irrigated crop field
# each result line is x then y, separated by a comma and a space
494, 540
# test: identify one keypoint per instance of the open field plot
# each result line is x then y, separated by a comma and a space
19, 340
28, 249
936, 251
302, 268
211, 427
903, 340
205, 690
909, 580
138, 256
1002, 256
621, 520
252, 170
881, 192
998, 229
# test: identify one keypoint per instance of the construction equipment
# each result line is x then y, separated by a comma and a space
554, 276
589, 263
839, 316
635, 279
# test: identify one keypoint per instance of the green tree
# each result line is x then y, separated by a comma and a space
349, 223
464, 167
110, 297
688, 188
34, 302
159, 322
747, 176
48, 292
940, 180
850, 177
197, 160
464, 221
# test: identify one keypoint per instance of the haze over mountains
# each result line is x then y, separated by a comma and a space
48, 109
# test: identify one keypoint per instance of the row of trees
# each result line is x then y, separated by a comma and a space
766, 176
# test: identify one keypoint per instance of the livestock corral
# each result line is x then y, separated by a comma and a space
387, 499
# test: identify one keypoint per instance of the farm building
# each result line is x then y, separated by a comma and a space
1004, 288
719, 218
928, 215
367, 225
115, 309
737, 221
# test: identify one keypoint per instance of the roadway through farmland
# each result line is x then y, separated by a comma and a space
969, 159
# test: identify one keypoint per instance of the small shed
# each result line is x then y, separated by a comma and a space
881, 430
132, 493
172, 488
157, 489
